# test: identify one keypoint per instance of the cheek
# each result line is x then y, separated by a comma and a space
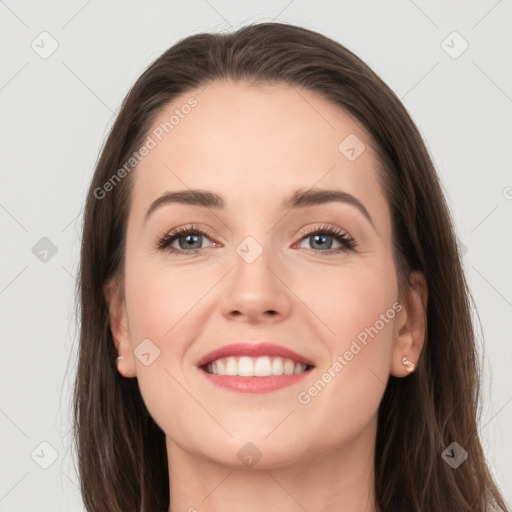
160, 308
348, 387
159, 300
359, 307
350, 298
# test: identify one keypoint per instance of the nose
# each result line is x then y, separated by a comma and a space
257, 289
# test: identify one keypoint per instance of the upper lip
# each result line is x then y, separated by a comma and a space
253, 350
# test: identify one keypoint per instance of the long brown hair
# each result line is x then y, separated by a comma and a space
121, 452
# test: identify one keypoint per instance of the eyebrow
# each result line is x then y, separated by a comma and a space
301, 198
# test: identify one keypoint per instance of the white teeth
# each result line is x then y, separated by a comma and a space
263, 366
277, 366
231, 366
299, 368
289, 367
245, 367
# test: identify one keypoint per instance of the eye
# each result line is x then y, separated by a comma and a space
188, 238
321, 237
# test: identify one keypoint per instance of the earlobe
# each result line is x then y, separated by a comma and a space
411, 327
119, 327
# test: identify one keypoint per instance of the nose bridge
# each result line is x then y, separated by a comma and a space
255, 236
255, 256
255, 287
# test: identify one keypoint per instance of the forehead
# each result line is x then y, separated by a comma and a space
250, 143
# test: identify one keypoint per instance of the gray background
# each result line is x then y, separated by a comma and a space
56, 112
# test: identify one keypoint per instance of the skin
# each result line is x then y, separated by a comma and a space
254, 146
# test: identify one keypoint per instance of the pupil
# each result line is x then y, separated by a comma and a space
322, 237
189, 237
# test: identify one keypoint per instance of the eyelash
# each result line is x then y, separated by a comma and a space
348, 243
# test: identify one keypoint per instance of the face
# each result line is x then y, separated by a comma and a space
317, 279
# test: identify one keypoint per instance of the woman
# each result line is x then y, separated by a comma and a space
227, 363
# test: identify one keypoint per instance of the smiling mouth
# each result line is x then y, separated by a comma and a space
262, 366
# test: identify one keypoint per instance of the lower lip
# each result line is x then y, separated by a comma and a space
254, 384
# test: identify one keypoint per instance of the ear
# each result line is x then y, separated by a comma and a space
410, 325
120, 328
